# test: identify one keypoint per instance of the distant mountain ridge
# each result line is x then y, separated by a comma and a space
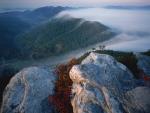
15, 23
146, 7
37, 34
34, 16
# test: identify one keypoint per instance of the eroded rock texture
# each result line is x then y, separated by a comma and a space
28, 92
103, 85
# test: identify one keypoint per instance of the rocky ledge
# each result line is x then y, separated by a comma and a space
100, 85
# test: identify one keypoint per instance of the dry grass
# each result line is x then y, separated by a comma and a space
62, 97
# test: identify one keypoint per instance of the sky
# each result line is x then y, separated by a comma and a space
38, 3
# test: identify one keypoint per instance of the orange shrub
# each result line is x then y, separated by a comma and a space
62, 97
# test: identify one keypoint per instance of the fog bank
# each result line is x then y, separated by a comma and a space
133, 26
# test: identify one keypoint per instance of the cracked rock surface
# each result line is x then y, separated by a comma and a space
27, 92
100, 85
103, 85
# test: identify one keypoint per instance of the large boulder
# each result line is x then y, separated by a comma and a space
28, 92
100, 84
138, 100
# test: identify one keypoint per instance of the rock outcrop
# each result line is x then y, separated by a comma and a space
101, 85
28, 92
138, 100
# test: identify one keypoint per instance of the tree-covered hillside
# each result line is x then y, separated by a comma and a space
10, 27
61, 35
14, 23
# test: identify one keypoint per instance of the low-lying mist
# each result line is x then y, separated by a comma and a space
132, 25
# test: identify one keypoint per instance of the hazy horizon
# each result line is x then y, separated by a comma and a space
72, 3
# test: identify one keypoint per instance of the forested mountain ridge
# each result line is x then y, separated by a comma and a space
14, 23
61, 35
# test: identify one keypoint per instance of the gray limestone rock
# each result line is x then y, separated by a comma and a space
99, 85
28, 92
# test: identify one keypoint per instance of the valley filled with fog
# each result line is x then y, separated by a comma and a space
132, 26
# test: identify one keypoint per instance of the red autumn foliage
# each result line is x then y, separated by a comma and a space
62, 97
146, 78
143, 75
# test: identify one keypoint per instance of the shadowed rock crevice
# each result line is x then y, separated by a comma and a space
62, 96
6, 73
